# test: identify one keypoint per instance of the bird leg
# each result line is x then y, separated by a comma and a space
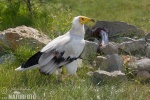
60, 77
76, 76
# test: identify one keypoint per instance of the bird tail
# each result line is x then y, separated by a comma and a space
31, 63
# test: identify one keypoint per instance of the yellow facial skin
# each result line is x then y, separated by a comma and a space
84, 19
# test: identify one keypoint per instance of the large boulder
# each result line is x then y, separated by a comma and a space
101, 75
117, 28
22, 35
132, 46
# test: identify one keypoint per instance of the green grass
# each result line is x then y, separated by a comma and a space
54, 18
70, 88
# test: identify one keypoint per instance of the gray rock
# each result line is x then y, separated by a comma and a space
119, 29
100, 75
143, 75
122, 39
140, 65
147, 50
111, 48
133, 46
90, 50
7, 58
143, 64
115, 63
147, 37
22, 35
110, 63
102, 63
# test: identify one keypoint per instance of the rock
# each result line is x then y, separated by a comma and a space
115, 63
147, 50
132, 46
102, 63
143, 64
100, 75
90, 50
109, 49
122, 39
140, 65
8, 58
22, 35
143, 75
110, 63
147, 37
119, 29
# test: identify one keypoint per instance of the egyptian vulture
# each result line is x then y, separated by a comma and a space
62, 51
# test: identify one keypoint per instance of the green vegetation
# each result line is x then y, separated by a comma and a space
54, 16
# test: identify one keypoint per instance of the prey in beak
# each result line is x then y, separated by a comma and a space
102, 34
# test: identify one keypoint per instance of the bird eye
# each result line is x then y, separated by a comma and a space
82, 18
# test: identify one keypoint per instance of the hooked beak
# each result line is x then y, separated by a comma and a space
92, 20
83, 19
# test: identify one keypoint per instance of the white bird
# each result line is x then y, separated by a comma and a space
62, 51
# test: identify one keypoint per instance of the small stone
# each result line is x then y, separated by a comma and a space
99, 75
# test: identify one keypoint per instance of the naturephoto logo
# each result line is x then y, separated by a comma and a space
18, 94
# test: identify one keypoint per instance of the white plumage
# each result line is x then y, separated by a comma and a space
62, 51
